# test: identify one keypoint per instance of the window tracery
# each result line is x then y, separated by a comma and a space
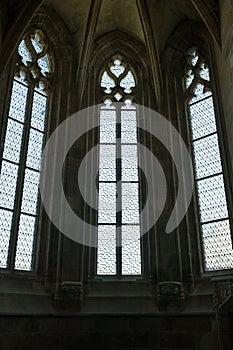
118, 216
211, 191
22, 142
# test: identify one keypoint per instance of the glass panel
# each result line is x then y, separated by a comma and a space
44, 65
24, 249
207, 156
128, 82
38, 111
217, 245
24, 53
129, 162
106, 255
128, 127
117, 69
107, 126
212, 198
8, 180
18, 101
5, 231
200, 93
13, 140
30, 191
36, 43
202, 118
107, 163
107, 82
34, 149
107, 203
204, 72
189, 78
130, 205
131, 254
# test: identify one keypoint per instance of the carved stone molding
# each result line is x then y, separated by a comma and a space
70, 295
223, 293
170, 295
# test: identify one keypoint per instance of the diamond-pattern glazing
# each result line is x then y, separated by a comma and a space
130, 203
30, 192
38, 111
131, 253
34, 151
217, 245
128, 127
5, 232
107, 203
107, 126
212, 198
23, 259
129, 161
18, 101
207, 156
107, 163
13, 140
202, 118
8, 181
106, 254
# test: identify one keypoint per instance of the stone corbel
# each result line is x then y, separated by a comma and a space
223, 294
170, 295
70, 295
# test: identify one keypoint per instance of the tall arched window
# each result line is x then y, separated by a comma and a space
22, 137
118, 215
211, 192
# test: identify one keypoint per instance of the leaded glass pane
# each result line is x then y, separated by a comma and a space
130, 204
44, 65
217, 244
194, 58
199, 93
107, 126
107, 163
212, 198
34, 149
18, 101
207, 156
107, 203
129, 162
117, 69
30, 192
131, 254
36, 43
8, 181
106, 255
107, 82
5, 231
13, 141
202, 118
204, 72
23, 259
189, 78
38, 111
128, 127
24, 53
128, 82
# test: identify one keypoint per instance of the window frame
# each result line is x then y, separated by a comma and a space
220, 132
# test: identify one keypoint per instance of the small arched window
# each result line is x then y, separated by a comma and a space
119, 249
211, 191
22, 138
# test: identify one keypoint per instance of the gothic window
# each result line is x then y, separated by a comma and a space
211, 191
22, 137
119, 247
